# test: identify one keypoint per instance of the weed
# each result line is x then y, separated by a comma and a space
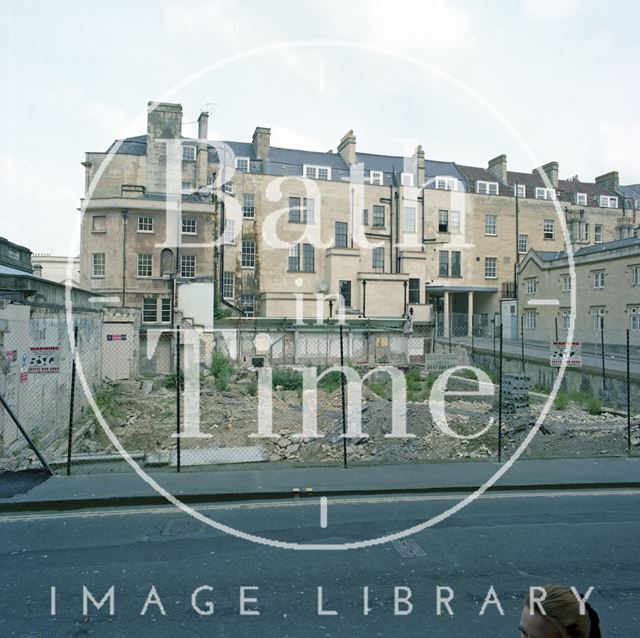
594, 406
561, 401
287, 379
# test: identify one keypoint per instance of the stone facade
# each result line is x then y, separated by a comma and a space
391, 232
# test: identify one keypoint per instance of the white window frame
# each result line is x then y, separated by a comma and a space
487, 188
531, 285
598, 279
495, 267
144, 266
165, 301
522, 242
581, 199
530, 319
229, 232
635, 275
597, 315
187, 150
98, 267
446, 183
249, 254
607, 201
376, 177
243, 164
312, 171
226, 284
186, 221
545, 193
493, 226
565, 313
227, 188
454, 221
549, 228
183, 263
406, 179
148, 221
519, 190
565, 280
186, 187
412, 217
598, 233
634, 318
249, 207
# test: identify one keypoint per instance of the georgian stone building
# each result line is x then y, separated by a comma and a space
283, 232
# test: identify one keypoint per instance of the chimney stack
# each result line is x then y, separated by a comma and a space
498, 168
347, 147
262, 142
164, 122
418, 161
610, 181
202, 159
551, 170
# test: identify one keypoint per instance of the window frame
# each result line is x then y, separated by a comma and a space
150, 308
229, 232
144, 266
377, 259
190, 147
315, 170
487, 225
599, 279
565, 283
520, 243
141, 223
248, 210
410, 229
414, 288
95, 230
610, 199
95, 267
488, 187
241, 160
188, 262
487, 260
530, 319
443, 263
598, 233
187, 221
376, 178
448, 182
378, 212
165, 307
547, 194
308, 257
546, 231
581, 199
446, 218
516, 189
407, 177
248, 253
346, 234
226, 285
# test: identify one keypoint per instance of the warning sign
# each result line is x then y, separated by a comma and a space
45, 359
116, 337
24, 377
574, 357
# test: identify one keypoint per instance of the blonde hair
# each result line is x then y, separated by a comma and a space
563, 610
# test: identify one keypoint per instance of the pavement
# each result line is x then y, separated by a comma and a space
125, 489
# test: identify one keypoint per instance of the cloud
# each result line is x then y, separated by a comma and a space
286, 137
40, 212
551, 8
618, 145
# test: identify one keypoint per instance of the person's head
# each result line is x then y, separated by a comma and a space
562, 617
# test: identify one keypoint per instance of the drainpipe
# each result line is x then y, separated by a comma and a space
125, 217
422, 206
364, 297
221, 297
404, 284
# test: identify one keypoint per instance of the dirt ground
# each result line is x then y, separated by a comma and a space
145, 423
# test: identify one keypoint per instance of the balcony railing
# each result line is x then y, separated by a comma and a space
508, 289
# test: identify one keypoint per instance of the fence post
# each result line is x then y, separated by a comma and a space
628, 396
500, 402
556, 323
473, 342
522, 340
74, 348
25, 435
178, 420
344, 409
604, 374
494, 342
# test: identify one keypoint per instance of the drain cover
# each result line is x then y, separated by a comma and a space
409, 549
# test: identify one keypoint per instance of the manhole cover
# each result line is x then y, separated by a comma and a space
409, 549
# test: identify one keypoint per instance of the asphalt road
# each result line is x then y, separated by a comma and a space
511, 541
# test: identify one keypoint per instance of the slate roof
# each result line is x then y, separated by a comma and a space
590, 250
290, 162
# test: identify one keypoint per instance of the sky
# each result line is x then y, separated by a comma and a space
539, 80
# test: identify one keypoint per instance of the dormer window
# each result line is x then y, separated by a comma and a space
189, 153
376, 177
608, 202
486, 188
228, 188
406, 179
581, 199
242, 164
446, 183
317, 172
519, 190
545, 193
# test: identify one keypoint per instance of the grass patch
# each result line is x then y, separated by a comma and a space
169, 381
287, 379
561, 401
107, 402
381, 389
593, 406
252, 388
221, 369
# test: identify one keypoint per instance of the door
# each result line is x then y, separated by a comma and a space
117, 351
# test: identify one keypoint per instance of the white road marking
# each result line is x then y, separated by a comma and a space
366, 500
323, 512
